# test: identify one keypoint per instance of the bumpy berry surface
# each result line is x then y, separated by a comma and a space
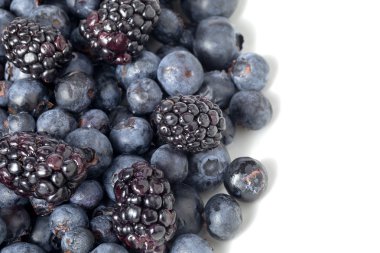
120, 28
35, 49
144, 218
43, 167
189, 123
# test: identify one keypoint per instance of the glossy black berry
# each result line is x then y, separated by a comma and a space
144, 218
34, 49
189, 123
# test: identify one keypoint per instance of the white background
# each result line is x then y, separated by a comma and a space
322, 147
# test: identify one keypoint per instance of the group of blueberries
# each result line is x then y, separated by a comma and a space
193, 50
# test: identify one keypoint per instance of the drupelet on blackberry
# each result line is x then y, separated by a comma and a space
189, 123
36, 50
119, 29
143, 216
37, 165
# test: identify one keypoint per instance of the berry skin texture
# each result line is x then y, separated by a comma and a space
250, 109
198, 10
111, 175
169, 27
145, 66
10, 199
88, 195
21, 122
250, 72
82, 8
189, 208
143, 95
3, 231
223, 216
78, 63
56, 122
102, 228
5, 18
27, 95
22, 247
109, 248
89, 137
229, 133
215, 43
12, 73
43, 167
180, 73
189, 123
74, 92
172, 162
39, 235
17, 221
143, 217
96, 119
246, 179
190, 243
4, 90
167, 49
22, 8
206, 168
218, 87
78, 240
35, 49
132, 136
119, 29
67, 217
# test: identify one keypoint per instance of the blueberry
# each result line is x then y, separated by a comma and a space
27, 95
22, 247
56, 122
5, 18
22, 8
3, 231
108, 94
82, 8
132, 136
41, 206
246, 179
169, 27
218, 87
119, 163
102, 228
189, 208
67, 217
223, 216
78, 240
206, 169
215, 43
144, 66
143, 95
52, 15
167, 49
119, 114
41, 235
190, 243
21, 122
187, 38
12, 73
250, 109
172, 162
198, 10
250, 72
4, 3
78, 42
229, 133
88, 195
89, 137
4, 91
109, 248
9, 198
95, 119
75, 91
79, 63
17, 221
3, 124
180, 73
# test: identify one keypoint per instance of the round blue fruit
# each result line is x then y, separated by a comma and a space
78, 240
191, 243
56, 122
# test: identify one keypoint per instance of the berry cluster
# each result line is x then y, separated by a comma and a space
114, 118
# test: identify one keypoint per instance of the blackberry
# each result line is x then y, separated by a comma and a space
120, 28
143, 216
36, 50
40, 166
189, 123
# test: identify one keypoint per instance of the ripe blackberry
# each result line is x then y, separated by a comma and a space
120, 28
35, 49
38, 165
143, 217
189, 123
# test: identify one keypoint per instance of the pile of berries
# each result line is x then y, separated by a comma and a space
115, 117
